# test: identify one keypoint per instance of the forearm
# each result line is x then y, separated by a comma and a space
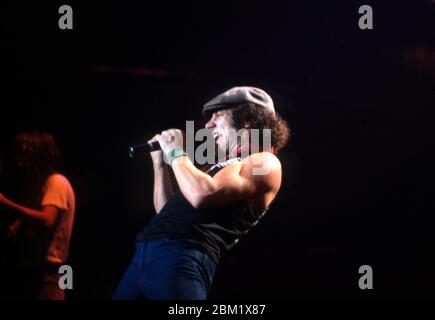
194, 184
162, 187
25, 212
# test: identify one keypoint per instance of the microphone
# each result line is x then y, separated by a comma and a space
143, 148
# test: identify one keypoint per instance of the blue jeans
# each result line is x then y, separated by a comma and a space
166, 269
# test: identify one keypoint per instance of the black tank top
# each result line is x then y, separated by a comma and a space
211, 229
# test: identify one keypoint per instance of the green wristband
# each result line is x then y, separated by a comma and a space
174, 154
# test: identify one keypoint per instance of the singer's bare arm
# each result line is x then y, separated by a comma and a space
255, 179
162, 181
233, 183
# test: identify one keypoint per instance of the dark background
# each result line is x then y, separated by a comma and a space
358, 175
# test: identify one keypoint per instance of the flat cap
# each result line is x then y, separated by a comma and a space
239, 95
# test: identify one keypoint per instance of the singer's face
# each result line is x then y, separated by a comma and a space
220, 123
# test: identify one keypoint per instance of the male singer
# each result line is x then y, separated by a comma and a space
178, 251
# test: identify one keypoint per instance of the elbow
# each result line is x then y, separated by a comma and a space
200, 201
201, 196
48, 223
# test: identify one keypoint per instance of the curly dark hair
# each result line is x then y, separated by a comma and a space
262, 118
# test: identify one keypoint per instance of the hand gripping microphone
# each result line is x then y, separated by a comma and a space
143, 148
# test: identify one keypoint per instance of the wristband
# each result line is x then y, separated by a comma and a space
174, 154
